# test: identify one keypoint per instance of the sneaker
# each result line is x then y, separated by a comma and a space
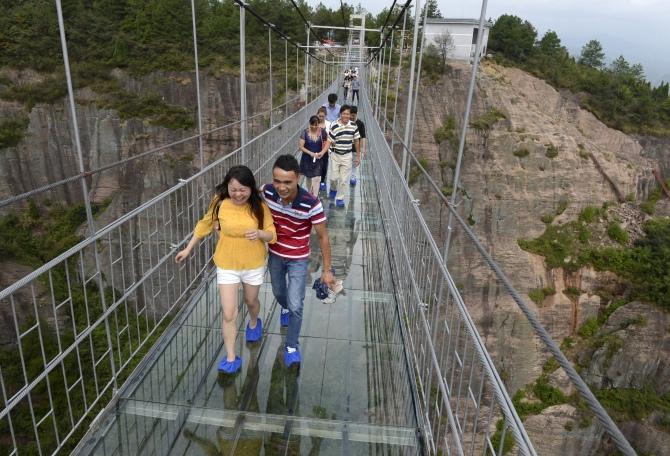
339, 203
230, 367
332, 194
352, 182
322, 186
283, 317
254, 335
292, 356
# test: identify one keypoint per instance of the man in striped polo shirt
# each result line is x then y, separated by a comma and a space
295, 211
345, 138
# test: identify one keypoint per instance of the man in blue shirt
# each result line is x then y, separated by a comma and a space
332, 108
355, 87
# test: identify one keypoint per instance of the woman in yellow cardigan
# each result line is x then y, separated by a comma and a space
245, 225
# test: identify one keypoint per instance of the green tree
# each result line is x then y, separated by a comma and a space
513, 37
550, 44
433, 10
592, 54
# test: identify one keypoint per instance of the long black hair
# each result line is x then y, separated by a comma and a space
245, 177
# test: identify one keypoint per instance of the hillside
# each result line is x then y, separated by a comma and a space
544, 183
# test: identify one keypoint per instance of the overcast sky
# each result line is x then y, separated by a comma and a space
637, 29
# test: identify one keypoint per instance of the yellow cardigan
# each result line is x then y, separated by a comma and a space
233, 250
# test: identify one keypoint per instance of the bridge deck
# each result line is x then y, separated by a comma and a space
351, 395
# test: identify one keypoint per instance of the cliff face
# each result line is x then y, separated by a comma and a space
47, 153
545, 157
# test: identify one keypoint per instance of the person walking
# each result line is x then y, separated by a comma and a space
245, 225
332, 108
295, 212
313, 143
361, 130
347, 86
344, 138
324, 123
355, 87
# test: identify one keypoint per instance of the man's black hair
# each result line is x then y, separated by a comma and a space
332, 98
287, 163
345, 108
354, 109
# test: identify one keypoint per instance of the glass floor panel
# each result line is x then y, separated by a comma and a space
350, 395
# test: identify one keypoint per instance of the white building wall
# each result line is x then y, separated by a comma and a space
462, 36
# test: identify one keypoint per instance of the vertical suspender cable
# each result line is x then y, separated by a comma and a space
408, 113
418, 78
243, 85
197, 85
307, 68
270, 55
397, 84
464, 126
380, 64
388, 82
84, 186
286, 79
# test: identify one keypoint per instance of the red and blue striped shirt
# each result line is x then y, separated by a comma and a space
293, 222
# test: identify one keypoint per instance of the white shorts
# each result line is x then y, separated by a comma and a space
248, 276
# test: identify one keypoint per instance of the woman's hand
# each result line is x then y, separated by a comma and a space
181, 256
253, 235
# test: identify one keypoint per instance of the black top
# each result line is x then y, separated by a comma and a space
361, 127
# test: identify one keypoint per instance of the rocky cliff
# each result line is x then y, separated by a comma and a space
534, 158
47, 154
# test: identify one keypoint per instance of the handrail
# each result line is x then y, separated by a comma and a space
585, 392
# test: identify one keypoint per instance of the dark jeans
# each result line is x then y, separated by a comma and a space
324, 169
354, 95
289, 295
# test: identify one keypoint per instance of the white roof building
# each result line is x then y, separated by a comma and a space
463, 32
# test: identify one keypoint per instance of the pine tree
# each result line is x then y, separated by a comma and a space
592, 54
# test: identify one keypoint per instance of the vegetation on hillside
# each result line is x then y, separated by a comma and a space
618, 94
644, 267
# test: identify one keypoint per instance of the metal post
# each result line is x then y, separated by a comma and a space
408, 113
418, 78
388, 82
307, 68
197, 86
243, 85
380, 64
270, 54
464, 126
286, 79
397, 83
84, 186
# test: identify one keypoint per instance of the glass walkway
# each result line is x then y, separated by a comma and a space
351, 395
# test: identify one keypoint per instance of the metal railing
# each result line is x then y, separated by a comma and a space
76, 328
463, 401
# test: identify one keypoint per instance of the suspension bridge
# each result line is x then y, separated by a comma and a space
396, 366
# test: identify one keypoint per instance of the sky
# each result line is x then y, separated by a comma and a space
637, 29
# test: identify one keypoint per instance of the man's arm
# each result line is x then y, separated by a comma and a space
357, 148
324, 244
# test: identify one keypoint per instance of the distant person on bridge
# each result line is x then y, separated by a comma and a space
355, 87
347, 86
345, 139
295, 212
313, 143
245, 225
361, 130
323, 123
332, 108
